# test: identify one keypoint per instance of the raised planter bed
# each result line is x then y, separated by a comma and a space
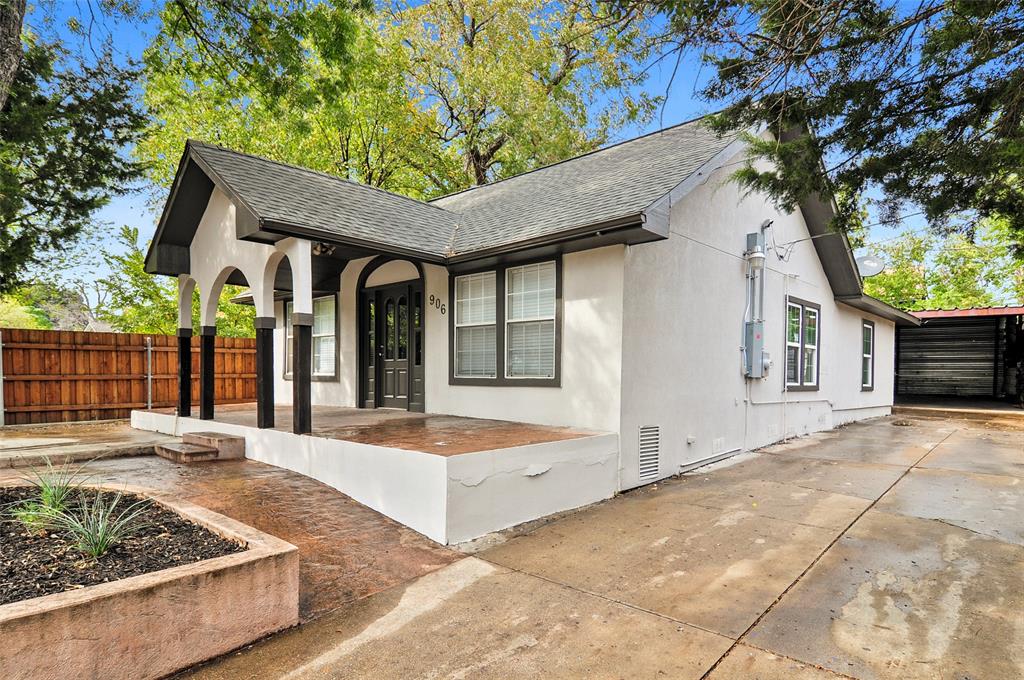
153, 624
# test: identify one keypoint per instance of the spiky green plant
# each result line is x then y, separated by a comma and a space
55, 485
99, 522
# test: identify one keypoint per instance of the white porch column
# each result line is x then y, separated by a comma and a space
300, 257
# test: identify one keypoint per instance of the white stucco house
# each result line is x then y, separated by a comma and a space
634, 291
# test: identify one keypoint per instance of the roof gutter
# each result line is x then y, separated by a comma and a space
866, 303
595, 228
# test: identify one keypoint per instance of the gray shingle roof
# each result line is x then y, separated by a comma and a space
296, 196
618, 181
610, 183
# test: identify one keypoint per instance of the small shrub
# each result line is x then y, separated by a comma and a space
56, 484
34, 516
97, 523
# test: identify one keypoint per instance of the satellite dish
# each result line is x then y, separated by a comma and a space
869, 265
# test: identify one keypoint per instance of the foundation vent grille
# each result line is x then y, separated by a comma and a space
650, 452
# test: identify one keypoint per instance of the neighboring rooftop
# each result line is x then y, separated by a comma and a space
1006, 310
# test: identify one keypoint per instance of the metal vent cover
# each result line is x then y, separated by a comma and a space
650, 452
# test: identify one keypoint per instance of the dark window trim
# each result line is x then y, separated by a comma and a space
337, 339
800, 358
874, 338
500, 380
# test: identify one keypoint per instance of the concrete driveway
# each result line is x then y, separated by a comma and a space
888, 549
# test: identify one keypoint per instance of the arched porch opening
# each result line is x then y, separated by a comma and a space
391, 335
214, 311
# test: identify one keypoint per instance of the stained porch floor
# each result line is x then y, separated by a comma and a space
427, 432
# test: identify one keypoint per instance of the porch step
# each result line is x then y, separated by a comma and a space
228, 446
181, 452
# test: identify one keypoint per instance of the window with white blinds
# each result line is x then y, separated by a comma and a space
324, 338
530, 321
475, 333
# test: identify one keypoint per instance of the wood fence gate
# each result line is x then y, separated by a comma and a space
60, 376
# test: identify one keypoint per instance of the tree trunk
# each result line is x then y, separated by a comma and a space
12, 13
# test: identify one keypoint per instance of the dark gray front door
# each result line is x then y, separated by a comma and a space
392, 336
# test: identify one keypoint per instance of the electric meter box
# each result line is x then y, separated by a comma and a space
754, 342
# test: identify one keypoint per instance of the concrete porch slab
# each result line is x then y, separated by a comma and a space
477, 620
905, 597
464, 492
439, 434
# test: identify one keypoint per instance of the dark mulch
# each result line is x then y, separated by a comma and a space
32, 565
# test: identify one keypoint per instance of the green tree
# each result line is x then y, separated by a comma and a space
423, 99
920, 102
62, 131
137, 302
903, 283
15, 314
957, 271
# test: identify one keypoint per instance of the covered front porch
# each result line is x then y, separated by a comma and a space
443, 435
450, 478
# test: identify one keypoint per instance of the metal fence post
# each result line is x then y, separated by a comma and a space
149, 373
1, 378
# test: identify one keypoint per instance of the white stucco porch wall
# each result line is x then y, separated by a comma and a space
592, 283
684, 304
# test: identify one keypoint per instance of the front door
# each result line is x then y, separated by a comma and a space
391, 351
392, 336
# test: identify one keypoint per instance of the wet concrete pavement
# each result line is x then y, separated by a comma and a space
875, 551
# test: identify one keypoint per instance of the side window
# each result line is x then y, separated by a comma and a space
802, 339
324, 338
867, 355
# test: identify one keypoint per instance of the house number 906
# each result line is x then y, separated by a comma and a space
436, 303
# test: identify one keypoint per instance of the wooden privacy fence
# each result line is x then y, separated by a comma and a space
60, 376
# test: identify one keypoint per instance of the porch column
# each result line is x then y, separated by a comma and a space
185, 372
206, 374
265, 371
302, 370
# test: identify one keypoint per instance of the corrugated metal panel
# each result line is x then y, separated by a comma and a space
950, 357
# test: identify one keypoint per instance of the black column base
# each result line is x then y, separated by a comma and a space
206, 372
264, 372
185, 372
302, 368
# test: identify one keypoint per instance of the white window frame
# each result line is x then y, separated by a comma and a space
798, 344
803, 381
553, 318
289, 336
804, 345
867, 356
458, 323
